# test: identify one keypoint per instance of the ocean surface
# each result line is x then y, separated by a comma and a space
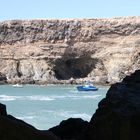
46, 106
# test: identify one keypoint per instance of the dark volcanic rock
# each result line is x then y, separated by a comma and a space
71, 129
118, 115
3, 110
15, 129
134, 78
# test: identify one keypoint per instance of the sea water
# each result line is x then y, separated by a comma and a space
46, 106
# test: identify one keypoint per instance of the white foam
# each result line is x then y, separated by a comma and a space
34, 97
82, 115
59, 97
46, 98
39, 98
73, 114
8, 98
75, 97
26, 117
54, 97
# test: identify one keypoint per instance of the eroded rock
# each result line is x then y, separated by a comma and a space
99, 50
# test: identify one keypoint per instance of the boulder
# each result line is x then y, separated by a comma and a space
71, 129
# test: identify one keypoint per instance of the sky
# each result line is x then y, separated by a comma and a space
34, 9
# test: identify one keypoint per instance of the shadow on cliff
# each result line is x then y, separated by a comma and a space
74, 64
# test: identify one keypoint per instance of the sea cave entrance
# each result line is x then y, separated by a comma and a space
64, 69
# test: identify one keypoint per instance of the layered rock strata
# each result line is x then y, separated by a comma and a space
69, 50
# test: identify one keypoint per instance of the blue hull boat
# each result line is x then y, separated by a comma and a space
86, 88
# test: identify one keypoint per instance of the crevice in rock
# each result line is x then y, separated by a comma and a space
18, 69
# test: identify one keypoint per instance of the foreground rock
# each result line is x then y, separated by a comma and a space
14, 129
71, 129
117, 117
54, 51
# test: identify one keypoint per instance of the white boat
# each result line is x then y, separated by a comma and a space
17, 85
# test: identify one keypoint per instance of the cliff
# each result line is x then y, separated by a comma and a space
69, 50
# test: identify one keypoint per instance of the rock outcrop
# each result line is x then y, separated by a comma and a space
71, 129
52, 51
117, 117
15, 129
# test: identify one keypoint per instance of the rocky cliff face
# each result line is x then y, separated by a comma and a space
99, 50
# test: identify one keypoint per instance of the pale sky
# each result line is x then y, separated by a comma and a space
32, 9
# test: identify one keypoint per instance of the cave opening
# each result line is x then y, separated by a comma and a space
64, 69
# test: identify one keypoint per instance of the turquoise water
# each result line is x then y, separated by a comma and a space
46, 106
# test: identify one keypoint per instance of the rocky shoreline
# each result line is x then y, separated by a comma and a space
117, 118
45, 51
